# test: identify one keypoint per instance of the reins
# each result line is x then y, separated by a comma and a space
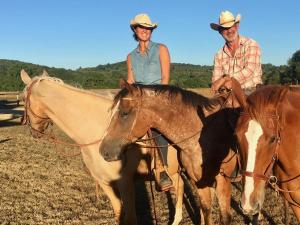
142, 140
49, 137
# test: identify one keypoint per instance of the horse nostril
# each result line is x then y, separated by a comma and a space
104, 154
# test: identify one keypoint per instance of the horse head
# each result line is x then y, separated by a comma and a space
34, 114
125, 115
258, 134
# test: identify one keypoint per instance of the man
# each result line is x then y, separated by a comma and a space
149, 63
238, 58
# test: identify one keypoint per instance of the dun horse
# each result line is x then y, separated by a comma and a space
83, 116
268, 135
195, 124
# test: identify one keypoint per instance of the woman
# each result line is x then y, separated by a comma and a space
149, 63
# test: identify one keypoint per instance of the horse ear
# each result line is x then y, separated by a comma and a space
45, 73
25, 77
239, 93
123, 83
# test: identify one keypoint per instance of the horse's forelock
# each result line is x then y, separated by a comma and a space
263, 102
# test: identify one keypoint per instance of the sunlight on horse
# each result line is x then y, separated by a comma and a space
83, 116
269, 140
198, 126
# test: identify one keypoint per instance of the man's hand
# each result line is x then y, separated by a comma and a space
222, 81
228, 84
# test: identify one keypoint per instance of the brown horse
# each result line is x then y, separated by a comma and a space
198, 126
83, 116
269, 140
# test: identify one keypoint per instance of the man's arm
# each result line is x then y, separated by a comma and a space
218, 79
130, 78
164, 57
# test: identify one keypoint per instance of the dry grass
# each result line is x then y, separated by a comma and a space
40, 186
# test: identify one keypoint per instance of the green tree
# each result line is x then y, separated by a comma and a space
293, 70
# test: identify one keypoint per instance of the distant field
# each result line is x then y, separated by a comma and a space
9, 99
40, 186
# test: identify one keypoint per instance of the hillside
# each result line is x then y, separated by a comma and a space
107, 76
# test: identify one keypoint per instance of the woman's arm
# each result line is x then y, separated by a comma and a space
164, 57
130, 78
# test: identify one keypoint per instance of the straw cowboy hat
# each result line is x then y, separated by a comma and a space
143, 20
226, 20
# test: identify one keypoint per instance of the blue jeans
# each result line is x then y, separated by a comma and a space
161, 141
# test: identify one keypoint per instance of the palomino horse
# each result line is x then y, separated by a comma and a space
269, 143
198, 126
83, 116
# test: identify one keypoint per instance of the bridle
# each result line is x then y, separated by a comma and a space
267, 174
141, 141
46, 120
27, 108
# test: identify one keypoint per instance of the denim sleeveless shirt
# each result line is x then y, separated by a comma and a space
146, 67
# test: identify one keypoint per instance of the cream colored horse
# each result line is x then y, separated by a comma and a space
84, 116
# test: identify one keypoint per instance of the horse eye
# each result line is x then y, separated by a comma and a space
272, 139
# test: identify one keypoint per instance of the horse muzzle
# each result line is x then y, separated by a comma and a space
111, 152
109, 157
250, 211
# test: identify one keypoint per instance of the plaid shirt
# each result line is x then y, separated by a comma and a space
244, 66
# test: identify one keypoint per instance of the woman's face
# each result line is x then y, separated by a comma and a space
143, 33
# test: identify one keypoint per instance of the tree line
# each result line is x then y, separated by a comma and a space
108, 76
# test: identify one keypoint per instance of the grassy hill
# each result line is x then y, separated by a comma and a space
108, 76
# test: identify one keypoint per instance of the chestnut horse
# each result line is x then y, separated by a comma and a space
197, 125
83, 116
268, 132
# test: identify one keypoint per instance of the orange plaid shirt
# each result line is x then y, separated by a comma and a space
244, 66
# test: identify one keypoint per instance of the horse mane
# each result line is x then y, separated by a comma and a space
62, 83
189, 98
263, 103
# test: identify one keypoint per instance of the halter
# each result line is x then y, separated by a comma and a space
266, 176
49, 137
130, 137
26, 119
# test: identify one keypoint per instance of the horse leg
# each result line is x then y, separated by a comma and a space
223, 191
114, 199
205, 201
179, 189
126, 188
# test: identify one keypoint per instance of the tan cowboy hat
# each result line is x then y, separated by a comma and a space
143, 20
226, 20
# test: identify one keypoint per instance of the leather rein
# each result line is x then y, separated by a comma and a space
142, 140
49, 137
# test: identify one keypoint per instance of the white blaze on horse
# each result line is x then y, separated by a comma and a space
269, 140
84, 116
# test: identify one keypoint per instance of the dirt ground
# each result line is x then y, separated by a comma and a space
38, 185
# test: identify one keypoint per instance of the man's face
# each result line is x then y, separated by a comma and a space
230, 34
143, 33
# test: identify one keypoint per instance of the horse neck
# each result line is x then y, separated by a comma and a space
289, 125
81, 115
172, 118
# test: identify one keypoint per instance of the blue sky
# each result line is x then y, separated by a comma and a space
86, 33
